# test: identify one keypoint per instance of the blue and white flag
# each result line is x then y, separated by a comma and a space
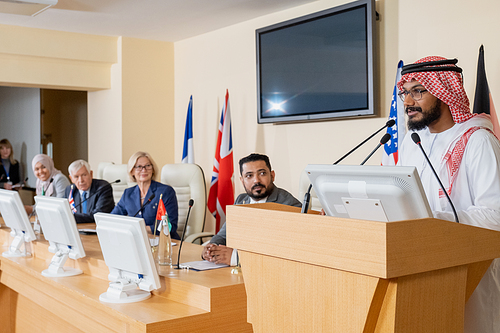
188, 151
398, 131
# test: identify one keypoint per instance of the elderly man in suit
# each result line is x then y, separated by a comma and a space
90, 195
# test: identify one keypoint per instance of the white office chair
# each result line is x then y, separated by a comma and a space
304, 183
188, 181
100, 169
114, 172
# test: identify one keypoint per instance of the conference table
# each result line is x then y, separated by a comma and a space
188, 300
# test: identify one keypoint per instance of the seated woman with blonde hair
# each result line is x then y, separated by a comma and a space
142, 169
9, 167
50, 182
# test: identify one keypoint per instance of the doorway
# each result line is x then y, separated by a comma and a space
63, 126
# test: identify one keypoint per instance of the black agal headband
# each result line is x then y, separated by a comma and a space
423, 67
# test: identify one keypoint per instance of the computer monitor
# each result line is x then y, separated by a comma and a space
59, 229
15, 217
376, 193
127, 253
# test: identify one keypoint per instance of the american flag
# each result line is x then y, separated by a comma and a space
71, 200
398, 131
222, 187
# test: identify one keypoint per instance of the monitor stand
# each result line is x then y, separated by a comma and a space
56, 268
123, 291
15, 247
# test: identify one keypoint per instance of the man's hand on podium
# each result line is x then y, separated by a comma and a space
219, 254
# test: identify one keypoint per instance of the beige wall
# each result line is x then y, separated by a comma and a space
105, 118
130, 84
148, 99
55, 59
208, 64
453, 29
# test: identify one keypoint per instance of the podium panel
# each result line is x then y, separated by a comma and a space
317, 298
314, 273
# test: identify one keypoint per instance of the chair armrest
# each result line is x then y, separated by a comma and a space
191, 238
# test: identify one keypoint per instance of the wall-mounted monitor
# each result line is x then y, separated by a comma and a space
127, 253
15, 217
370, 192
319, 66
59, 229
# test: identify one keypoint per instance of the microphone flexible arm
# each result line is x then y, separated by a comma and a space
416, 138
90, 196
382, 142
191, 203
307, 196
145, 204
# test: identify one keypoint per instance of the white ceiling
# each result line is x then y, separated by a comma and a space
164, 20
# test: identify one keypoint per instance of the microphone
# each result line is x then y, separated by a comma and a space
142, 208
382, 142
191, 203
416, 138
307, 196
45, 190
23, 184
100, 190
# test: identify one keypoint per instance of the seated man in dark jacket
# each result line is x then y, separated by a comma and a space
257, 178
98, 193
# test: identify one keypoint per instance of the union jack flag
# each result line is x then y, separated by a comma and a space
222, 186
398, 131
71, 200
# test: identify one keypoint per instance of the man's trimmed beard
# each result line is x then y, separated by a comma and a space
265, 194
430, 116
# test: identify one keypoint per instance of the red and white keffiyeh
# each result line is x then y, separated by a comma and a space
445, 85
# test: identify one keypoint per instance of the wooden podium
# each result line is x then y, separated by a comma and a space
311, 273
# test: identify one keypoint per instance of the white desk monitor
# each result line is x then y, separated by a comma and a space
59, 229
127, 253
375, 193
15, 217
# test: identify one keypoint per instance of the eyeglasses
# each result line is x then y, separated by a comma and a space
145, 167
415, 93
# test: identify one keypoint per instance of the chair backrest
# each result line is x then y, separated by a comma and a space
100, 169
304, 183
114, 172
188, 181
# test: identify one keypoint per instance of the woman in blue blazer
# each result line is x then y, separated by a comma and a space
143, 171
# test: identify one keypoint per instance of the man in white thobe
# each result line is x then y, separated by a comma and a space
466, 155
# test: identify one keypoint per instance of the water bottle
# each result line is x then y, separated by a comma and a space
165, 247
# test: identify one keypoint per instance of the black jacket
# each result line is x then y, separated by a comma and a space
101, 202
14, 173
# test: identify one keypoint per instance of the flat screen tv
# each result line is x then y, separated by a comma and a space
319, 66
